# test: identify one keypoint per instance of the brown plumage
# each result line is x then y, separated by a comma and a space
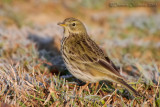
84, 59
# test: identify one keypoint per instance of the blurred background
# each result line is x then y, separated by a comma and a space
128, 31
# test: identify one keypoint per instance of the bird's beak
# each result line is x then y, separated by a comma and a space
62, 24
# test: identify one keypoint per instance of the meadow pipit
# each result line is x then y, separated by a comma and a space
84, 59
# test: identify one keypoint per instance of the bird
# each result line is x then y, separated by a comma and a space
84, 59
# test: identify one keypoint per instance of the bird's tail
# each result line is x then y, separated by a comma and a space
123, 83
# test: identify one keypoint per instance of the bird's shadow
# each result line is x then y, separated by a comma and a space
48, 52
43, 43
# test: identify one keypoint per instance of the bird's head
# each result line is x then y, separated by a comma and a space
74, 26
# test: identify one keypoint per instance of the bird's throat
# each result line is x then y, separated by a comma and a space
66, 32
74, 36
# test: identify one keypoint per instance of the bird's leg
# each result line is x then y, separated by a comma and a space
82, 88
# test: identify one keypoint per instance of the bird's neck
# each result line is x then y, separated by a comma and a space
78, 34
75, 36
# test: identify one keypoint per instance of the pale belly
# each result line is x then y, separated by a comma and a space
83, 76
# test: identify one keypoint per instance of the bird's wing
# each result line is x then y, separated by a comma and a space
109, 66
90, 54
111, 63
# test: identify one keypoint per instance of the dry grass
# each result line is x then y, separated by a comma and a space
32, 72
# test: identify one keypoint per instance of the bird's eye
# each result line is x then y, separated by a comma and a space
73, 24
